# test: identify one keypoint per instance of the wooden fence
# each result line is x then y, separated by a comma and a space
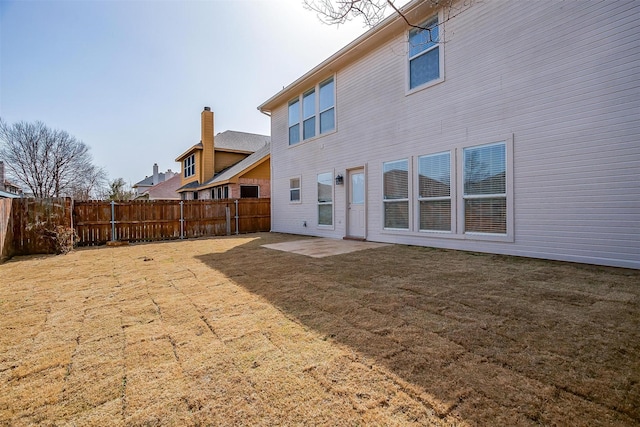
22, 221
97, 222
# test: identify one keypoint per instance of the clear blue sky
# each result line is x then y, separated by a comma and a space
130, 78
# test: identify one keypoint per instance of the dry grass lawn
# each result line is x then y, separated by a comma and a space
226, 332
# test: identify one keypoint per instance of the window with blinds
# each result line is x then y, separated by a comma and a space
325, 198
294, 190
396, 194
434, 192
485, 192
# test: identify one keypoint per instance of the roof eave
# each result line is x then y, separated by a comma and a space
375, 36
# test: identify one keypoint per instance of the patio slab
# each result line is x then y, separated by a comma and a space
323, 247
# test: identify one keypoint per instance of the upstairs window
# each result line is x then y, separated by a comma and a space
190, 166
312, 113
294, 122
424, 53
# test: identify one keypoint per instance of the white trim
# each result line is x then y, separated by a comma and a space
440, 45
299, 188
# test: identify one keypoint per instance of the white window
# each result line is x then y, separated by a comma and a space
434, 192
424, 53
294, 122
313, 112
325, 198
190, 166
294, 190
485, 190
396, 194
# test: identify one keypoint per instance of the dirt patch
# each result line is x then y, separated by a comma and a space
227, 332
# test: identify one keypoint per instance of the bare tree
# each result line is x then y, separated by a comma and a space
336, 12
48, 162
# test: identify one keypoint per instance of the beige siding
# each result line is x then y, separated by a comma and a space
560, 78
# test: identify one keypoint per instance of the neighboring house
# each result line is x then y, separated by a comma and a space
7, 188
165, 190
228, 165
513, 131
156, 178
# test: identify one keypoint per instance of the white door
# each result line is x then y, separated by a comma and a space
356, 204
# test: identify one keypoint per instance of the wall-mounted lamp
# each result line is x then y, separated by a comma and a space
339, 180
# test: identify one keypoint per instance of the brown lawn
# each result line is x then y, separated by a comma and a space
226, 332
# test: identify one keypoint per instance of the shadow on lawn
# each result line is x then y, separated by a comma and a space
496, 340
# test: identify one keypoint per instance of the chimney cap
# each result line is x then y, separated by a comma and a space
207, 108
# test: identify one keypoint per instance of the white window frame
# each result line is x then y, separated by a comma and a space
439, 45
451, 197
189, 165
299, 188
330, 203
316, 115
409, 162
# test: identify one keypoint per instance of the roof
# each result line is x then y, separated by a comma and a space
6, 194
165, 190
148, 181
193, 185
385, 30
241, 166
231, 140
198, 146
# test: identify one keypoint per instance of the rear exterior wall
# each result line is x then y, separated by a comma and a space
558, 79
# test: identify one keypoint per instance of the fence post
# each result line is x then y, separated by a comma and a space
237, 230
227, 211
113, 221
181, 219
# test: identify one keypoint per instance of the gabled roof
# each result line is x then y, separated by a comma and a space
165, 190
198, 146
231, 140
148, 181
243, 165
382, 32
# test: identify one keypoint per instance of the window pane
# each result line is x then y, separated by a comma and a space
248, 191
309, 105
357, 188
425, 68
294, 183
421, 40
434, 177
486, 215
326, 95
294, 113
327, 121
294, 195
325, 187
294, 134
396, 215
484, 170
435, 215
396, 179
325, 214
309, 129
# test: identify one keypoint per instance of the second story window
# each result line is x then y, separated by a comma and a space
313, 112
424, 53
190, 166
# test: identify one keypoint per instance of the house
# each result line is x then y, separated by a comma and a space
228, 165
156, 178
510, 128
7, 188
165, 190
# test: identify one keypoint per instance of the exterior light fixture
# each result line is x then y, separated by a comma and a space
339, 180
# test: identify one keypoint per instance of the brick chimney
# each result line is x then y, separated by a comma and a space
207, 171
